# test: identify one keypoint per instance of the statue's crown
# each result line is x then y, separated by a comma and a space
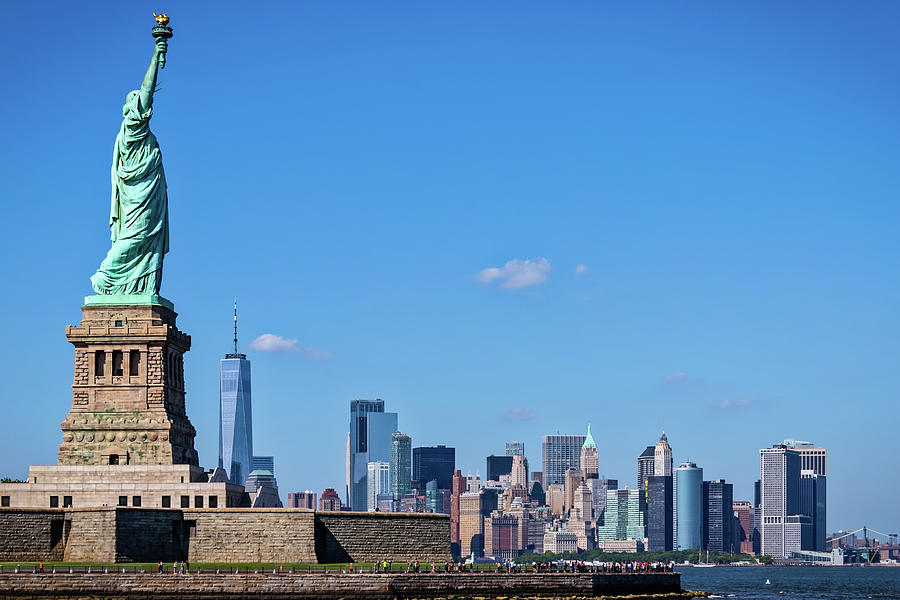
161, 19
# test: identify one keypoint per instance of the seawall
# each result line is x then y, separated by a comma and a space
228, 535
332, 587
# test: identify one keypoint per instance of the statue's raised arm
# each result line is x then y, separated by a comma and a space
149, 83
139, 213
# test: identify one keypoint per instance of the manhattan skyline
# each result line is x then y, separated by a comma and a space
501, 222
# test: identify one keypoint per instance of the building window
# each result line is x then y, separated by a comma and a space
4, 500
198, 501
113, 459
99, 363
134, 362
167, 501
67, 501
135, 500
123, 500
213, 501
117, 363
118, 324
185, 502
54, 501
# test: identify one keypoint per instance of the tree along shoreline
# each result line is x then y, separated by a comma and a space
679, 556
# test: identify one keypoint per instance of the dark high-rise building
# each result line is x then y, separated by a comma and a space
718, 516
370, 441
434, 463
645, 463
536, 493
497, 466
660, 513
490, 499
812, 504
756, 517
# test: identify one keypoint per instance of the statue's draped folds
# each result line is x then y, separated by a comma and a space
139, 221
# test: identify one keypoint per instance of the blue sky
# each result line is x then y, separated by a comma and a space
691, 211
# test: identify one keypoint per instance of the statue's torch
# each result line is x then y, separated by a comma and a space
162, 30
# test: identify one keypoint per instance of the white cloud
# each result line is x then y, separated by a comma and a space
269, 342
678, 377
581, 269
517, 413
730, 403
517, 273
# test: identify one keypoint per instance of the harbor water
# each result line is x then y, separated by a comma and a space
794, 583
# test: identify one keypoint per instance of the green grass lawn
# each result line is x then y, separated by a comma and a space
212, 567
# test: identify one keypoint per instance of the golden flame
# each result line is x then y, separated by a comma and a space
161, 19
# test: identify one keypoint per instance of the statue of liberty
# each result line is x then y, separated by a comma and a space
139, 216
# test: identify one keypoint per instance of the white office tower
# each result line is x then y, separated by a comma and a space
784, 529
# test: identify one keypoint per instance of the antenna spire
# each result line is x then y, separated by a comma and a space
235, 326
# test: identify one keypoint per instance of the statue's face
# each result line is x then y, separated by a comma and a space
129, 99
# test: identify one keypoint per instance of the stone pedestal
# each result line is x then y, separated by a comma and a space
128, 390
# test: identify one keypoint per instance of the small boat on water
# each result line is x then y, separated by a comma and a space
704, 564
768, 582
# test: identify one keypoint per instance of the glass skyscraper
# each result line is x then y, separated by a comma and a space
370, 441
560, 452
236, 424
688, 507
497, 466
812, 504
235, 415
401, 466
624, 518
434, 463
718, 516
378, 484
658, 490
515, 448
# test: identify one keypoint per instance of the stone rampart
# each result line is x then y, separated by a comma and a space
116, 586
272, 535
148, 535
31, 534
91, 535
235, 535
368, 537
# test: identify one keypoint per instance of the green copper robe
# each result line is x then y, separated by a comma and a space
139, 216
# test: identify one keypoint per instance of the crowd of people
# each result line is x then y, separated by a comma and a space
414, 567
564, 566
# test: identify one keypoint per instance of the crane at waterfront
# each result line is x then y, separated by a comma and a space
872, 554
